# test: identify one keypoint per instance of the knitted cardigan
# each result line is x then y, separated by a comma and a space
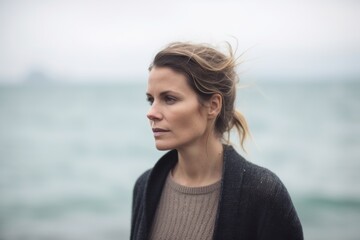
254, 204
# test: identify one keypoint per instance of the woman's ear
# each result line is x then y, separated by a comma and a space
215, 104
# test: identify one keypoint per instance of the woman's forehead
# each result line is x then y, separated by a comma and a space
165, 79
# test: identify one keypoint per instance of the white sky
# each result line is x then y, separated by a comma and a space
108, 39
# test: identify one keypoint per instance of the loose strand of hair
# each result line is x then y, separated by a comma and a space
239, 122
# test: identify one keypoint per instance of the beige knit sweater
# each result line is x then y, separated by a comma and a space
186, 212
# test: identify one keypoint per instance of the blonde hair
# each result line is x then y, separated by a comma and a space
208, 71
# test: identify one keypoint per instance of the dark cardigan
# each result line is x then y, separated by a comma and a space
254, 204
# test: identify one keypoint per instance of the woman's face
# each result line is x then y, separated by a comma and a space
177, 119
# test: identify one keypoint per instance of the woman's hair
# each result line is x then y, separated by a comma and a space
208, 71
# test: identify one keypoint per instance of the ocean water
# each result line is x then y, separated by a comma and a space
69, 155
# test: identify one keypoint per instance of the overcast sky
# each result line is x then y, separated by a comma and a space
108, 39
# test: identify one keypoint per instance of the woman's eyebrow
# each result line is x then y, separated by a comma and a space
163, 93
168, 92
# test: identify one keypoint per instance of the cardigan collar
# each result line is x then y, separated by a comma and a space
232, 175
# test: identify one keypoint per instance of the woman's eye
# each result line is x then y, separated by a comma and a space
170, 99
150, 100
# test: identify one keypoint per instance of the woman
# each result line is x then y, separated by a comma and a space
202, 188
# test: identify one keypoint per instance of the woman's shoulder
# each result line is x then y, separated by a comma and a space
259, 175
255, 178
142, 179
269, 196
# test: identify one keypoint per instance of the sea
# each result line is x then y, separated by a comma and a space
71, 152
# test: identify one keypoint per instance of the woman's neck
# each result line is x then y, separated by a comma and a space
199, 165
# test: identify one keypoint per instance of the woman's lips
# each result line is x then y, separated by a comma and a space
159, 131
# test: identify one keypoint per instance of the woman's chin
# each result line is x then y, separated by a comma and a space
163, 147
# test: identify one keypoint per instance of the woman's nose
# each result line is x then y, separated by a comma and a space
153, 113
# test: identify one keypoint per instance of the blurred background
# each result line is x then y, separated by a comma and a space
73, 131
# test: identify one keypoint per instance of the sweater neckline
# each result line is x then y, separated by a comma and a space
192, 190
